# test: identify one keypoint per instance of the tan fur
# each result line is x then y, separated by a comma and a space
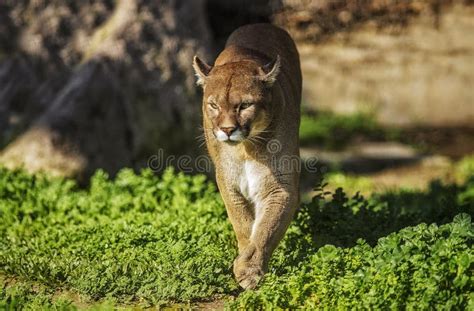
259, 66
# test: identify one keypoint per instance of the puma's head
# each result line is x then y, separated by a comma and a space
237, 97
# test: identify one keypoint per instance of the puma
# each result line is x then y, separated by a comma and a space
251, 117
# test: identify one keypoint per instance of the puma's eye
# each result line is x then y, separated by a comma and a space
244, 106
214, 106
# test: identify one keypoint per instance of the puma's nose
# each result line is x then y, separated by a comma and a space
228, 130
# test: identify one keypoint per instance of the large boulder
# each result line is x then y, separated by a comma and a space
96, 84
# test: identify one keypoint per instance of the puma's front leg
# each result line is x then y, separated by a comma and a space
272, 217
241, 217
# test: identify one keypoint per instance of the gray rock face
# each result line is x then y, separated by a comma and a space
95, 84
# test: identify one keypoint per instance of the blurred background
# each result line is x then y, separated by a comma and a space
388, 97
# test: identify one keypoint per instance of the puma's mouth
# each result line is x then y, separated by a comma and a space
235, 136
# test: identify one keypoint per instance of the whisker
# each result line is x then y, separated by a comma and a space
264, 131
251, 141
259, 139
256, 140
202, 144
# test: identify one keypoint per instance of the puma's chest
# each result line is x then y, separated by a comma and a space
247, 177
250, 180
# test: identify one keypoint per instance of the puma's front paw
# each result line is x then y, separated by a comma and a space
249, 276
248, 268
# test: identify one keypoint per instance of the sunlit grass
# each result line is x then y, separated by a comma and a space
143, 240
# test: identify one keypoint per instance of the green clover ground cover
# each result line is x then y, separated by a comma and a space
137, 238
142, 240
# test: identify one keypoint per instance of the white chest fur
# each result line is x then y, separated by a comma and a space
250, 180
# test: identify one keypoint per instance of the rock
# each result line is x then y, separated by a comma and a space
17, 81
101, 85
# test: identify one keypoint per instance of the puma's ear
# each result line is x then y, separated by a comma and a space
202, 70
270, 71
